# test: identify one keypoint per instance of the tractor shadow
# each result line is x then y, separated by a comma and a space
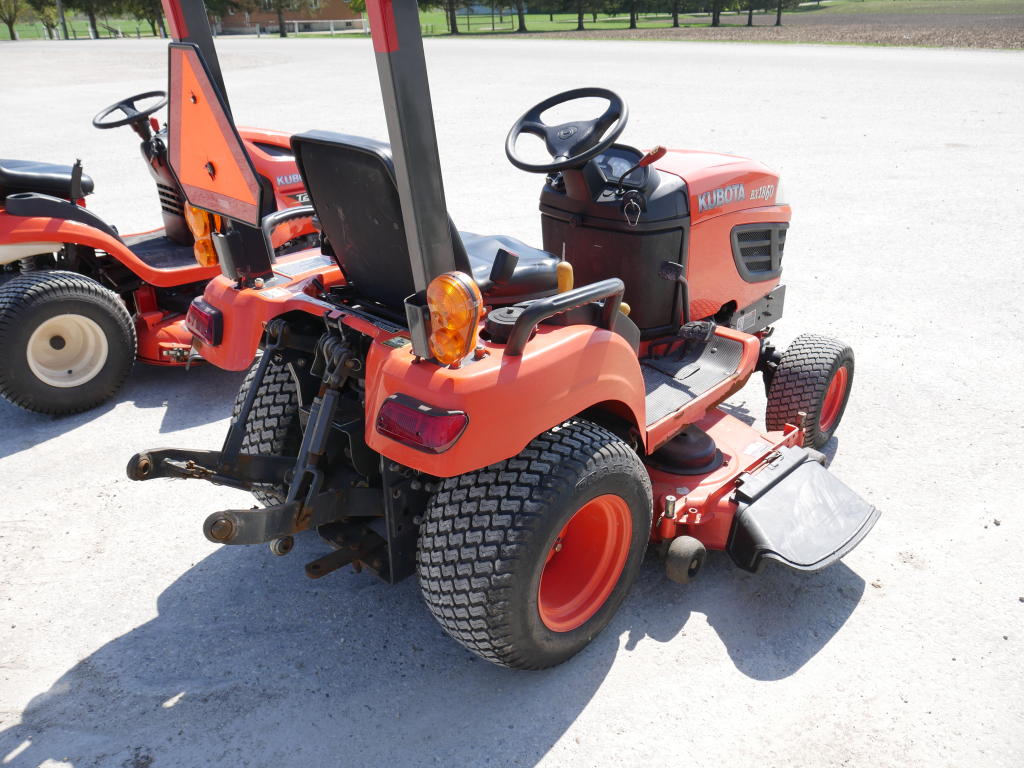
250, 663
190, 398
740, 411
199, 395
770, 624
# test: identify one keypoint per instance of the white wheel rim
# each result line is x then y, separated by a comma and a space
67, 351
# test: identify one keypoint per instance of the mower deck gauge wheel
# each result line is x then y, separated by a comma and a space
684, 559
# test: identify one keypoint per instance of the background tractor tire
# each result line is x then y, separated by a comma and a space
814, 375
524, 562
273, 426
66, 342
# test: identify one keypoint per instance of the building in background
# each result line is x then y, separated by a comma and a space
317, 16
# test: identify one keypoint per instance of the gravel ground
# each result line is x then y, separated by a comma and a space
935, 30
128, 640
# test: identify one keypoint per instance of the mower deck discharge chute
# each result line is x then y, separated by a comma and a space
467, 408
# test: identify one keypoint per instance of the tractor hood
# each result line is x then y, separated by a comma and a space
719, 183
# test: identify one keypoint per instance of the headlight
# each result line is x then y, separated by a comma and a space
781, 197
455, 304
202, 224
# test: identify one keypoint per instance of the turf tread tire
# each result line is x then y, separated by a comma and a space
23, 296
273, 426
801, 381
478, 526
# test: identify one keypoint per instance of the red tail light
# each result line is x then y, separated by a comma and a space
419, 425
205, 321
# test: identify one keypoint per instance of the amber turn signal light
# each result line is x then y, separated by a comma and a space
455, 305
202, 224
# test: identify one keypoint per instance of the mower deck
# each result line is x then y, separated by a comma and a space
764, 498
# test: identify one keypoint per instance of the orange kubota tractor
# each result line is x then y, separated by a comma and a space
488, 415
83, 300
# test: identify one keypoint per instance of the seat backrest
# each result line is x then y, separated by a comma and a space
351, 184
350, 181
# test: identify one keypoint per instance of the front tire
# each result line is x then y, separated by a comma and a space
814, 375
66, 342
524, 562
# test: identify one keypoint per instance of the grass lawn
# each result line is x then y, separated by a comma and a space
79, 28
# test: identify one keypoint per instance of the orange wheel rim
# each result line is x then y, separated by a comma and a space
584, 563
833, 399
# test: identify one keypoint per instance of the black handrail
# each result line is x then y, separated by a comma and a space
273, 220
540, 310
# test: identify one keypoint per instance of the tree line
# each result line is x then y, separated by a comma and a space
624, 8
50, 13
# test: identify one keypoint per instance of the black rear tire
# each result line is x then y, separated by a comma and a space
62, 375
273, 426
809, 367
486, 540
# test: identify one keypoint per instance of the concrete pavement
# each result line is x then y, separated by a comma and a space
127, 639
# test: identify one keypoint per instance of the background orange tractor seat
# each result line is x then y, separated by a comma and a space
362, 219
18, 176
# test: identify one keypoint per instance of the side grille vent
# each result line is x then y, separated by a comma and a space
757, 250
170, 201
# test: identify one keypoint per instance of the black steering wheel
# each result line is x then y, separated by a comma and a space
571, 144
130, 109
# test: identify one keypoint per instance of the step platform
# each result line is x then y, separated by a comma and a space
796, 512
671, 383
158, 251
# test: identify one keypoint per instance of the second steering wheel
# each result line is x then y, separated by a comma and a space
130, 109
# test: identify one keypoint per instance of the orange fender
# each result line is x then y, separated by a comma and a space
247, 311
42, 229
509, 400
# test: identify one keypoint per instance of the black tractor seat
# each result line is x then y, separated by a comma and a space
31, 176
351, 184
535, 276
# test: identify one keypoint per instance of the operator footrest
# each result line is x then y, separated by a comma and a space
798, 513
671, 383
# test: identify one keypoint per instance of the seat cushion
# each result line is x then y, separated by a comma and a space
535, 275
31, 176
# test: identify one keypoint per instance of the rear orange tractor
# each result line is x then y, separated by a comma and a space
81, 300
517, 426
